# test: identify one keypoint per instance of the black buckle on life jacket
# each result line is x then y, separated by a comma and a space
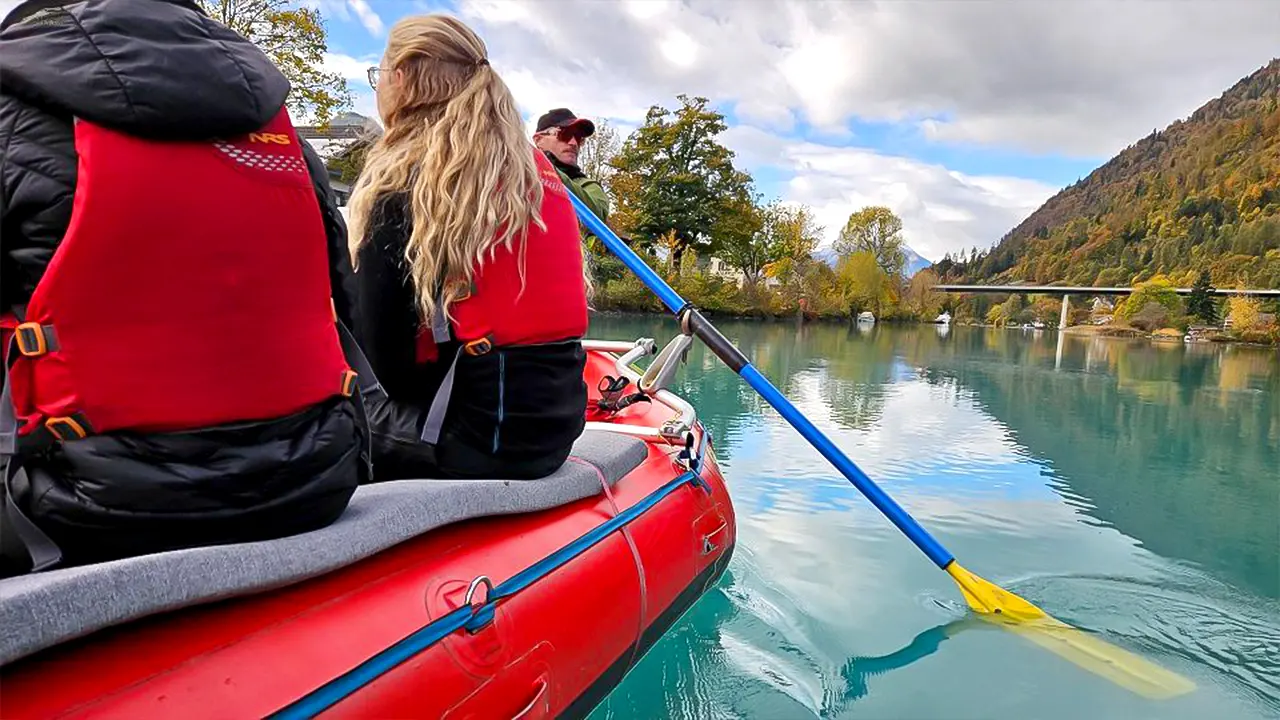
478, 347
68, 427
34, 339
349, 382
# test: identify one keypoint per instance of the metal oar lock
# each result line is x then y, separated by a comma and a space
662, 370
655, 379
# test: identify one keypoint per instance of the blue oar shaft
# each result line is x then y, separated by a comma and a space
758, 382
651, 279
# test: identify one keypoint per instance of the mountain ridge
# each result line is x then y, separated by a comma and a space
1204, 193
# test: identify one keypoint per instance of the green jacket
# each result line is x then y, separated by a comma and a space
592, 193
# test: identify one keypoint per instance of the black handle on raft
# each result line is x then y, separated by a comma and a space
693, 323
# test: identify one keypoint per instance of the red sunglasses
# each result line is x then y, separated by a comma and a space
565, 133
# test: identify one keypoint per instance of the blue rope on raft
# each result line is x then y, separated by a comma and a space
472, 618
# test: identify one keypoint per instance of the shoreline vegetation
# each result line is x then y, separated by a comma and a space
1119, 332
679, 201
1153, 311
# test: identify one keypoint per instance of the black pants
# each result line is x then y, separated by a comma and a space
400, 454
119, 495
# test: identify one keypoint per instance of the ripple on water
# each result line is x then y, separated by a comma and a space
769, 658
1209, 632
771, 642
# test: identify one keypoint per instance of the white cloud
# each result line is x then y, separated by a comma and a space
343, 10
1082, 79
367, 16
679, 49
535, 94
648, 9
942, 210
356, 72
774, 116
1079, 78
350, 68
365, 104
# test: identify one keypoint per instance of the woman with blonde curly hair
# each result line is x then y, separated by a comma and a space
470, 270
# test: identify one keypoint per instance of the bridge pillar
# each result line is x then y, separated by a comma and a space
1062, 321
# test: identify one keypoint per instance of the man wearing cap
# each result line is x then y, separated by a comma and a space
559, 135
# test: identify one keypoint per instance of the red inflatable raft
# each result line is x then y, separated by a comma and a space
427, 598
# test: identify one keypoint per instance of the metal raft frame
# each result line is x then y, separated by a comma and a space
676, 429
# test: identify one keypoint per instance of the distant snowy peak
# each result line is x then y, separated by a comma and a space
915, 262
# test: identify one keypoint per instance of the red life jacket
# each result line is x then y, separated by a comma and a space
191, 289
553, 304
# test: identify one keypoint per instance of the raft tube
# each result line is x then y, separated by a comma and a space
426, 599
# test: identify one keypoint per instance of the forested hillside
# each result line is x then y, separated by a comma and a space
1203, 193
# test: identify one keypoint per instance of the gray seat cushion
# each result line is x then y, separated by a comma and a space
43, 609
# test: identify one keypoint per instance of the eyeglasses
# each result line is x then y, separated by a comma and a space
373, 73
565, 134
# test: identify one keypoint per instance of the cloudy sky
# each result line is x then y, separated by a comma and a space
962, 116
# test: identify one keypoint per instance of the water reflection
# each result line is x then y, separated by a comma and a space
698, 676
1128, 488
1175, 446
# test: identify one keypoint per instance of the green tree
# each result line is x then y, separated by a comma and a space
921, 300
740, 235
1046, 309
1159, 289
1200, 303
295, 40
876, 230
1245, 313
350, 161
673, 175
1010, 312
1151, 317
862, 283
790, 235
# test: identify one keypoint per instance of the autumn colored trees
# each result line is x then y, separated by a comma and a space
1201, 195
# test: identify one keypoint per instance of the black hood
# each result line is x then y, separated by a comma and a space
151, 68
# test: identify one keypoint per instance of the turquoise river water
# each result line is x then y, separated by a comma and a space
1127, 487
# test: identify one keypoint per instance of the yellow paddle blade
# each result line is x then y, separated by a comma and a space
1116, 664
988, 598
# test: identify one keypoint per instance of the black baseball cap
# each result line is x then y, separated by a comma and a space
564, 118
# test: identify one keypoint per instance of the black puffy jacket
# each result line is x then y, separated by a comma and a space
155, 69
151, 68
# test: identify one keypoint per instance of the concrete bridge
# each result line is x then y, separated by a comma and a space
1066, 291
